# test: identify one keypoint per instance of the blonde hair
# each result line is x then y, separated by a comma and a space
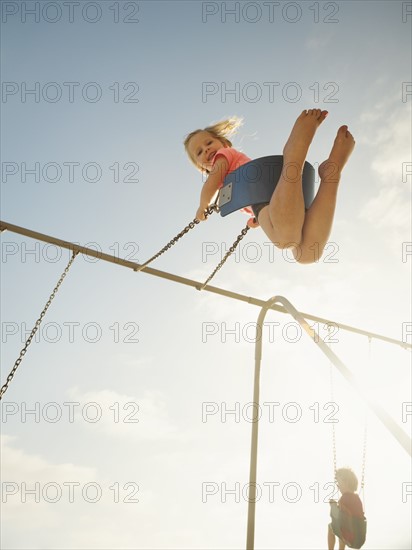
348, 476
221, 130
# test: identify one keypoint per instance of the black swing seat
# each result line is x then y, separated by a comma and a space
254, 182
356, 525
359, 528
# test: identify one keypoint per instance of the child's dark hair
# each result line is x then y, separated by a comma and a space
348, 476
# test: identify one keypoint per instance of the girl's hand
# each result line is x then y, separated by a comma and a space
200, 214
253, 223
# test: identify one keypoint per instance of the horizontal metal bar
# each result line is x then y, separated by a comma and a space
189, 282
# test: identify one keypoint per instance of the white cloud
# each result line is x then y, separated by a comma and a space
389, 210
386, 132
72, 521
137, 417
22, 473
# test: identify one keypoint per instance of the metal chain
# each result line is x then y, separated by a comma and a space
213, 208
365, 431
36, 326
332, 398
365, 439
226, 256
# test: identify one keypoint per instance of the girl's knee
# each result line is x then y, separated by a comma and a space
293, 246
308, 254
282, 245
300, 254
304, 258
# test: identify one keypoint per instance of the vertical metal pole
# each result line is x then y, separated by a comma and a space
250, 537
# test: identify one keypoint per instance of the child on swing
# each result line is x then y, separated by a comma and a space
348, 520
283, 219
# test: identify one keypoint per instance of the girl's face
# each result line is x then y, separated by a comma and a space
203, 147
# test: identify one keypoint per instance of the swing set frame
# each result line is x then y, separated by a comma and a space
277, 303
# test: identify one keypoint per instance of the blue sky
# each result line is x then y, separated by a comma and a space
142, 348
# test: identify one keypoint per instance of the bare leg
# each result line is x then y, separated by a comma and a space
331, 539
341, 545
319, 217
283, 219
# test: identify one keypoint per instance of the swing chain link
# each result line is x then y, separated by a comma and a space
332, 398
226, 256
36, 326
365, 437
209, 210
365, 431
333, 425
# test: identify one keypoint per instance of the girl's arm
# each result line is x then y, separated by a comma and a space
212, 185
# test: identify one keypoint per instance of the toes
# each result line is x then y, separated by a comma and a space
317, 113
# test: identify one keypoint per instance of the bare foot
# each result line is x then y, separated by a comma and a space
330, 169
301, 136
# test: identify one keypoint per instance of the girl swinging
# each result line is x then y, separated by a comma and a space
283, 219
348, 519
